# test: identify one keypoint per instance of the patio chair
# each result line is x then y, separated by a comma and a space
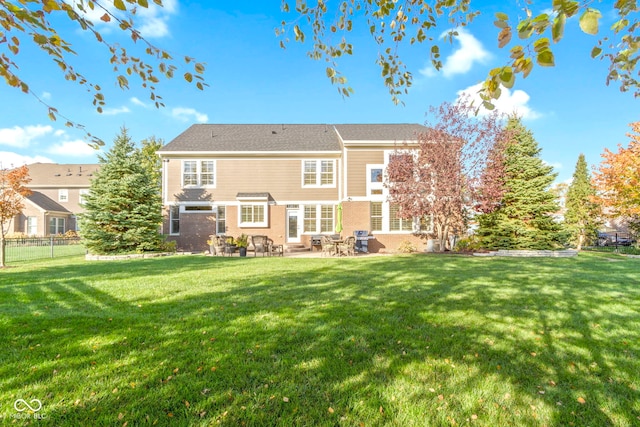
219, 244
327, 246
348, 247
261, 244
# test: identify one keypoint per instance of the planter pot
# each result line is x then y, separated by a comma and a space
242, 251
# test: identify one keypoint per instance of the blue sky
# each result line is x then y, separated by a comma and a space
252, 80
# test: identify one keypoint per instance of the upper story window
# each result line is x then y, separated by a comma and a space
63, 195
318, 173
375, 180
198, 173
81, 196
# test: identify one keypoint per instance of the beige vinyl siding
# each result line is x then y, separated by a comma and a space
357, 161
282, 178
72, 204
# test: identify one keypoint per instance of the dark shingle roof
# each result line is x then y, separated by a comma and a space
255, 138
46, 203
285, 137
398, 132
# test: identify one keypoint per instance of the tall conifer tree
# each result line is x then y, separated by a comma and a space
582, 215
523, 219
123, 207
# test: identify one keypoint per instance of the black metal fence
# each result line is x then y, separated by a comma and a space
31, 248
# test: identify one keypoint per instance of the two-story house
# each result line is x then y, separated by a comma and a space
56, 199
290, 182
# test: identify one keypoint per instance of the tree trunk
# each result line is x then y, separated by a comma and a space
580, 241
2, 253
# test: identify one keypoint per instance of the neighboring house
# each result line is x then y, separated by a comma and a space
56, 199
290, 182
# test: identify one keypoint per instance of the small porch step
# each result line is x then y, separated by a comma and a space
295, 247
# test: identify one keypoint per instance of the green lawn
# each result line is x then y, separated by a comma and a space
410, 340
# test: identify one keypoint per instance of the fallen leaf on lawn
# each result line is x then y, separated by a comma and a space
533, 353
187, 404
213, 368
170, 415
581, 400
175, 371
331, 411
474, 417
432, 390
115, 390
552, 383
440, 397
132, 384
285, 399
120, 416
382, 410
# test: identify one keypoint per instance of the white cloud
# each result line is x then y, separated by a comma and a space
189, 114
46, 96
136, 101
462, 59
115, 111
22, 136
10, 159
508, 103
74, 148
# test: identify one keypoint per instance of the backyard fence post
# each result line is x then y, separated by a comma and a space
51, 244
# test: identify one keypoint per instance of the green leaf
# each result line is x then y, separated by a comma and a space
595, 52
331, 72
507, 77
589, 21
545, 58
541, 44
557, 30
119, 4
502, 16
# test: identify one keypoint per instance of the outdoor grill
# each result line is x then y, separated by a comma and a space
362, 240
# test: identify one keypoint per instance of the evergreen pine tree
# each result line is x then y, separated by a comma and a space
123, 207
582, 215
523, 219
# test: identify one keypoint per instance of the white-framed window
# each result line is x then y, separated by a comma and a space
63, 195
384, 219
221, 220
198, 173
376, 216
318, 173
32, 226
319, 218
174, 219
375, 181
197, 208
396, 223
253, 215
56, 226
81, 196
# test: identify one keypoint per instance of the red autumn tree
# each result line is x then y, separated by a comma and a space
617, 179
440, 178
12, 192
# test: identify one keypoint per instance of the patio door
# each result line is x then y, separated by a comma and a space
294, 225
